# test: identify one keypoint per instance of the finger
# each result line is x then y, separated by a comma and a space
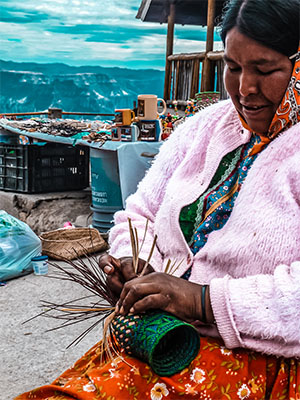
127, 268
154, 301
111, 267
109, 264
142, 270
115, 283
134, 291
150, 285
105, 262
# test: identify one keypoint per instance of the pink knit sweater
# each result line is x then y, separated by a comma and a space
253, 263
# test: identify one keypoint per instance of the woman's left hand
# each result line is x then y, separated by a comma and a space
161, 291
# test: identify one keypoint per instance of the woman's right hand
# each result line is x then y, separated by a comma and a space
121, 270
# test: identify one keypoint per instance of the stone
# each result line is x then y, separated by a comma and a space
47, 211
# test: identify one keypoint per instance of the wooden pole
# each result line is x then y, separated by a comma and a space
169, 51
207, 72
177, 79
187, 56
215, 55
211, 6
195, 79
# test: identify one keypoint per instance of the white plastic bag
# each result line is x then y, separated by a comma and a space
18, 245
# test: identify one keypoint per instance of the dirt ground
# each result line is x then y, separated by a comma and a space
31, 357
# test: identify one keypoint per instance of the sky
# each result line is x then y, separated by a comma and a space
89, 32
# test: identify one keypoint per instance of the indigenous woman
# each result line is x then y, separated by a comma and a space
223, 198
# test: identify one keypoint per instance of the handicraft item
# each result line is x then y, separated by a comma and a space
156, 337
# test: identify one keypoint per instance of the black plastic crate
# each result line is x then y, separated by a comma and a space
51, 167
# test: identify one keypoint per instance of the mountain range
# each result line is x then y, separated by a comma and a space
28, 87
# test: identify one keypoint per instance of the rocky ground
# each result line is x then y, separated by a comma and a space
48, 211
31, 357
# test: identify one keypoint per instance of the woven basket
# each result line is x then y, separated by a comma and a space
205, 99
166, 343
68, 244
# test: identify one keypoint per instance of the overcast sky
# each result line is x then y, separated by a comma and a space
88, 32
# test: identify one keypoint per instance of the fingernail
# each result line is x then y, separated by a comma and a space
117, 309
131, 310
122, 311
107, 269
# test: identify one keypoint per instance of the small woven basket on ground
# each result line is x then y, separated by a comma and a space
68, 244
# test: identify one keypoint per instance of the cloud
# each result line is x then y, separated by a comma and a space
22, 17
88, 32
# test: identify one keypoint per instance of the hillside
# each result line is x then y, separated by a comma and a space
28, 87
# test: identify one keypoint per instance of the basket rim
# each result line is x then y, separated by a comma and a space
70, 231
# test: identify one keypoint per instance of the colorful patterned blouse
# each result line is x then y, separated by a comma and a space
212, 209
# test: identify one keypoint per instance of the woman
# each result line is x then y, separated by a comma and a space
223, 198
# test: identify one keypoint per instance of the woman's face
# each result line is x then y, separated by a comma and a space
256, 78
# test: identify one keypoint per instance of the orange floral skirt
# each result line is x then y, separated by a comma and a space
216, 373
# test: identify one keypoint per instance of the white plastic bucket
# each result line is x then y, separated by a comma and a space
40, 265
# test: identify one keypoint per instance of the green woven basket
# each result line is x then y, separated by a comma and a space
205, 99
160, 339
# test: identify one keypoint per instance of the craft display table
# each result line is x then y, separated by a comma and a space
116, 168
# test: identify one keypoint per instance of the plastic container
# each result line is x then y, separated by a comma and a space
8, 137
106, 189
115, 173
103, 218
51, 167
40, 265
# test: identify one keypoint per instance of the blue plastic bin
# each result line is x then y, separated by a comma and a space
116, 170
106, 190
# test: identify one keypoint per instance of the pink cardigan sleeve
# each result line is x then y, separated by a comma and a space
145, 202
260, 312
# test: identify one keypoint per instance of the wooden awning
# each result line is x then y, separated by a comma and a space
182, 71
187, 12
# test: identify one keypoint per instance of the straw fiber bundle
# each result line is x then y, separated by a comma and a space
68, 244
156, 337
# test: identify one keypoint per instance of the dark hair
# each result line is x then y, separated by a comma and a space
273, 23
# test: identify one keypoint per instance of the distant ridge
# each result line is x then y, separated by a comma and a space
61, 68
27, 87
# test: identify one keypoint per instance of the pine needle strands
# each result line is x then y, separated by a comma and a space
98, 305
87, 273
